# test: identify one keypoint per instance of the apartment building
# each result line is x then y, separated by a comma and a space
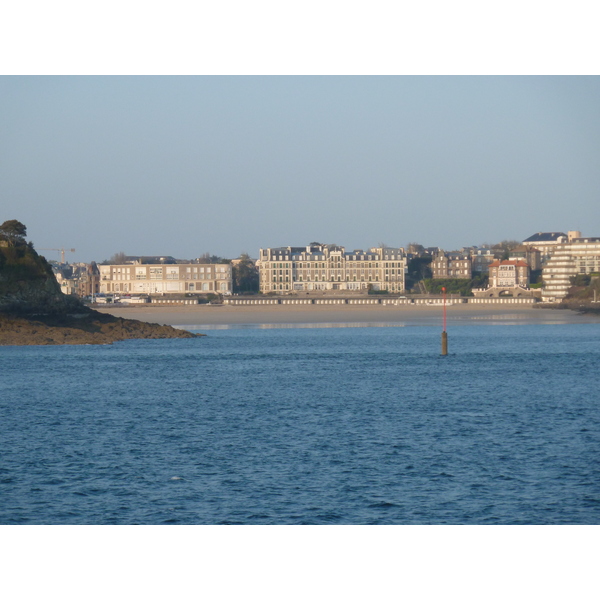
547, 242
580, 255
324, 267
451, 265
166, 279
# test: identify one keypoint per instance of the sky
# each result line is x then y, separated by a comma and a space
180, 166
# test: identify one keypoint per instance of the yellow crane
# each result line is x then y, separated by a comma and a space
62, 252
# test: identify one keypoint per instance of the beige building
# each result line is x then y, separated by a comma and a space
508, 278
509, 274
321, 267
166, 279
580, 255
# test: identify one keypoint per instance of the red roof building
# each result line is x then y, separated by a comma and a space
509, 274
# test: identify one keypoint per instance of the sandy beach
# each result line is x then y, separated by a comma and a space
203, 316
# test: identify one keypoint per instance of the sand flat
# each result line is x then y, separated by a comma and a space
224, 315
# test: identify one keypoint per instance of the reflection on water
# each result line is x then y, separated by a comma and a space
290, 325
431, 321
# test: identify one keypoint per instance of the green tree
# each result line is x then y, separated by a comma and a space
13, 231
245, 276
418, 269
212, 259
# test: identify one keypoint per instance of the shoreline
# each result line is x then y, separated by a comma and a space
208, 316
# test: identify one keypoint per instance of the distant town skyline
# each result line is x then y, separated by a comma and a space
182, 166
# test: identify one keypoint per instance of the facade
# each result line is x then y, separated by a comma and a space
451, 265
321, 267
532, 256
508, 278
580, 255
191, 278
481, 259
509, 274
78, 279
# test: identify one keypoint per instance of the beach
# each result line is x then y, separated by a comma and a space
208, 316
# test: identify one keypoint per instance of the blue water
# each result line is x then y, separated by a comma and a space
306, 426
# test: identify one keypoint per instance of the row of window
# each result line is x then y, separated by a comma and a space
384, 265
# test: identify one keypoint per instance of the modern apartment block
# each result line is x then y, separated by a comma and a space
579, 255
166, 279
322, 267
451, 265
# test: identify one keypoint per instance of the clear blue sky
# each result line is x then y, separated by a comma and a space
185, 165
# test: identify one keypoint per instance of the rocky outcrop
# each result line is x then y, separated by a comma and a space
89, 327
33, 309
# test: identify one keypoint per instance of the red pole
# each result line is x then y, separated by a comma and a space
444, 290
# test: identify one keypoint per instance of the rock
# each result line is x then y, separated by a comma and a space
94, 328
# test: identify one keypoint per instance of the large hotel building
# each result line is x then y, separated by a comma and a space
322, 267
166, 279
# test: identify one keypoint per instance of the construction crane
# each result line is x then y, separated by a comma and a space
62, 252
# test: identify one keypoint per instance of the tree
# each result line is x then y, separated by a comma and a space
212, 259
118, 258
504, 248
418, 269
13, 231
245, 275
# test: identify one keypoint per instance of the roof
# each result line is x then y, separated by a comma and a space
517, 263
550, 236
523, 248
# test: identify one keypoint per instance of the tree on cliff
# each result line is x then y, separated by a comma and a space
13, 231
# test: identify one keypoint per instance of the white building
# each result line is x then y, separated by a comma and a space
321, 267
166, 279
580, 255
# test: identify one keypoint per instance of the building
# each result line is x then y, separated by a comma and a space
532, 256
508, 278
451, 265
481, 258
79, 279
509, 274
189, 278
579, 255
322, 267
547, 242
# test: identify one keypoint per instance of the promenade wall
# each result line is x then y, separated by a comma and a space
332, 301
374, 301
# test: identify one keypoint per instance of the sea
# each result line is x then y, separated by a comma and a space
306, 424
